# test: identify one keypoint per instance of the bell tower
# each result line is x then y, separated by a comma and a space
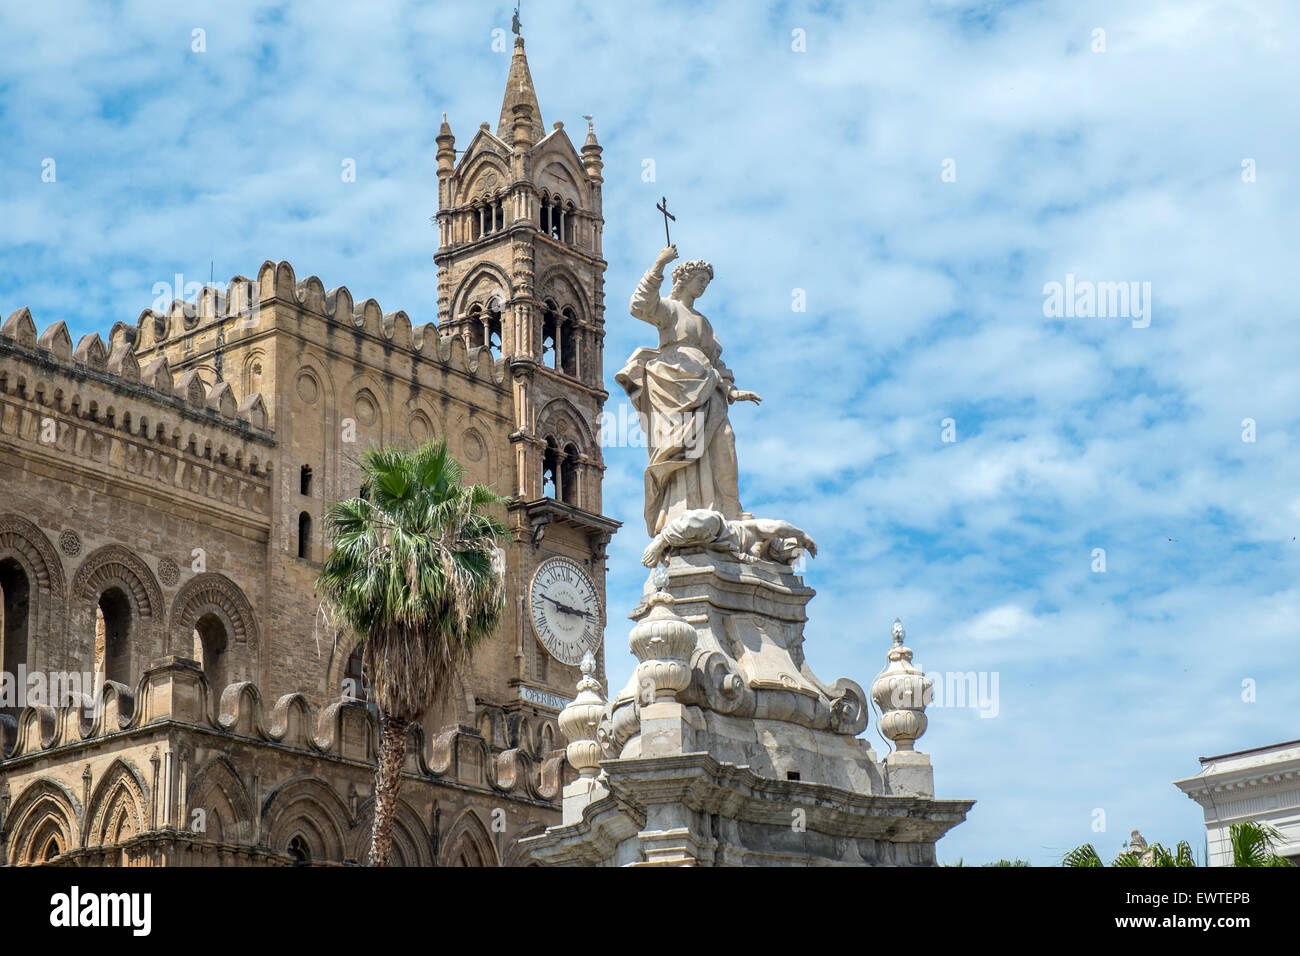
521, 280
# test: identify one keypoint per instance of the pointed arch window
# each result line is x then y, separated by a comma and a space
15, 597
113, 636
567, 362
304, 535
552, 480
210, 643
474, 326
544, 214
551, 335
492, 326
569, 475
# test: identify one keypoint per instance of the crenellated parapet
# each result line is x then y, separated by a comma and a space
176, 691
96, 406
250, 307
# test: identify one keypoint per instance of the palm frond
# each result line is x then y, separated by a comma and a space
1085, 855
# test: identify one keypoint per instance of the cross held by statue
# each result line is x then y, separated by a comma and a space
663, 208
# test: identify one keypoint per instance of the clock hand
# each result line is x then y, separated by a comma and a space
565, 609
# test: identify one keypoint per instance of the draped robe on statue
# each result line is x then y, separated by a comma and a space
680, 391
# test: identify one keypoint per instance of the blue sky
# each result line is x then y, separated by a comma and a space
822, 171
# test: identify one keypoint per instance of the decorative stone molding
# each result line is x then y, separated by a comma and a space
211, 590
112, 564
168, 572
70, 543
19, 535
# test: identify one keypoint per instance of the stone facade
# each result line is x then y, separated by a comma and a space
161, 528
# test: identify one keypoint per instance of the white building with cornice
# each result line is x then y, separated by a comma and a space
1262, 784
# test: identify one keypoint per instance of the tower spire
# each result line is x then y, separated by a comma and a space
519, 90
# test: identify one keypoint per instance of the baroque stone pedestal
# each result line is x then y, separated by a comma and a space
725, 749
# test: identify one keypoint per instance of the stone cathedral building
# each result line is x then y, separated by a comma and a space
160, 535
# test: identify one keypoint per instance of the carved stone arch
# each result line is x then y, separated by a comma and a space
411, 840
562, 286
228, 809
117, 806
556, 174
46, 811
368, 404
307, 808
477, 286
469, 843
114, 564
485, 176
562, 419
213, 592
22, 540
253, 372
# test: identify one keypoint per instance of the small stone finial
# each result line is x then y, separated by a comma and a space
662, 642
901, 691
579, 720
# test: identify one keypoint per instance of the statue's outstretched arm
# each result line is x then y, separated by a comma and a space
646, 303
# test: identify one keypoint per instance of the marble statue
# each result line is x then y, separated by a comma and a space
682, 391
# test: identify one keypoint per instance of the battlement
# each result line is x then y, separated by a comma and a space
92, 363
251, 304
176, 691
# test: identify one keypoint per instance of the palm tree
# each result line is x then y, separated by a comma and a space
1252, 845
413, 575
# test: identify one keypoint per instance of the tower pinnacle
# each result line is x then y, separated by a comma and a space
519, 89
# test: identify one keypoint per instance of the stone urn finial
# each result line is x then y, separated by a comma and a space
579, 720
663, 642
901, 691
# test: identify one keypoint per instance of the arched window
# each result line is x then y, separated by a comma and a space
544, 215
492, 325
15, 595
304, 535
474, 326
550, 335
299, 851
210, 643
475, 221
304, 479
354, 677
557, 220
551, 470
113, 636
568, 358
570, 221
569, 475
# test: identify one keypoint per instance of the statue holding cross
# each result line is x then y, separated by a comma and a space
682, 391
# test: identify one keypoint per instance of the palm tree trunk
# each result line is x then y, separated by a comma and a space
388, 780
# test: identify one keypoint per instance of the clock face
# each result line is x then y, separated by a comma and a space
566, 610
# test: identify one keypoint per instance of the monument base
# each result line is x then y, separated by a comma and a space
688, 809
